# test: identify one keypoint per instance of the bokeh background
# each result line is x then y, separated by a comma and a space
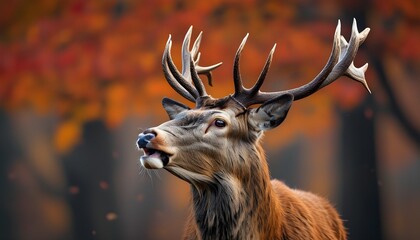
80, 79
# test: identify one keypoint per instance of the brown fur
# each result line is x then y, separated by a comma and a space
284, 213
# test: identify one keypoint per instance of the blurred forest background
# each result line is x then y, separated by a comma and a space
80, 79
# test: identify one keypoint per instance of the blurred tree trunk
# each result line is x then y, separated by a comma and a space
360, 203
8, 154
89, 166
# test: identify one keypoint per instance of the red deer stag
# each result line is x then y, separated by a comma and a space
215, 147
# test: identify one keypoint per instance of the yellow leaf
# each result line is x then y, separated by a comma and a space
68, 134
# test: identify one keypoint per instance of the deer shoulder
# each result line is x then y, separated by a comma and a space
306, 215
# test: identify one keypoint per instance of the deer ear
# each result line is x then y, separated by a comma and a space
271, 113
173, 107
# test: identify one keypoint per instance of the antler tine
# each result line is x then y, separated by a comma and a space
186, 54
196, 79
196, 57
194, 51
254, 90
207, 70
358, 74
237, 80
176, 82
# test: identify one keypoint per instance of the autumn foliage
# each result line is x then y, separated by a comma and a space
87, 60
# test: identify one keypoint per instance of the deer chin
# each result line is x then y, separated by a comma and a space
154, 159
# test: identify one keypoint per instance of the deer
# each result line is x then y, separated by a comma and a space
216, 148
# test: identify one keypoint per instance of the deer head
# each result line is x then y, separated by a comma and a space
218, 138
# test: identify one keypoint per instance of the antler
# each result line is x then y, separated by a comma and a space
339, 63
188, 84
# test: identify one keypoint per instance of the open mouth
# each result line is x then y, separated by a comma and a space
154, 159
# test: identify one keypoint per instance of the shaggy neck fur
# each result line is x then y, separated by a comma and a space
232, 206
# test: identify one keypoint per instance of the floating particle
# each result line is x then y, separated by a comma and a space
74, 190
103, 185
111, 216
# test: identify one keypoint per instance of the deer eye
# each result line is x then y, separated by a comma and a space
219, 123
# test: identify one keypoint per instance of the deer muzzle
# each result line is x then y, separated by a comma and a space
153, 158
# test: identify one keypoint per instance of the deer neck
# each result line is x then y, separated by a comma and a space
233, 206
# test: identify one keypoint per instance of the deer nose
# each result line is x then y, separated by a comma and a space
145, 138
